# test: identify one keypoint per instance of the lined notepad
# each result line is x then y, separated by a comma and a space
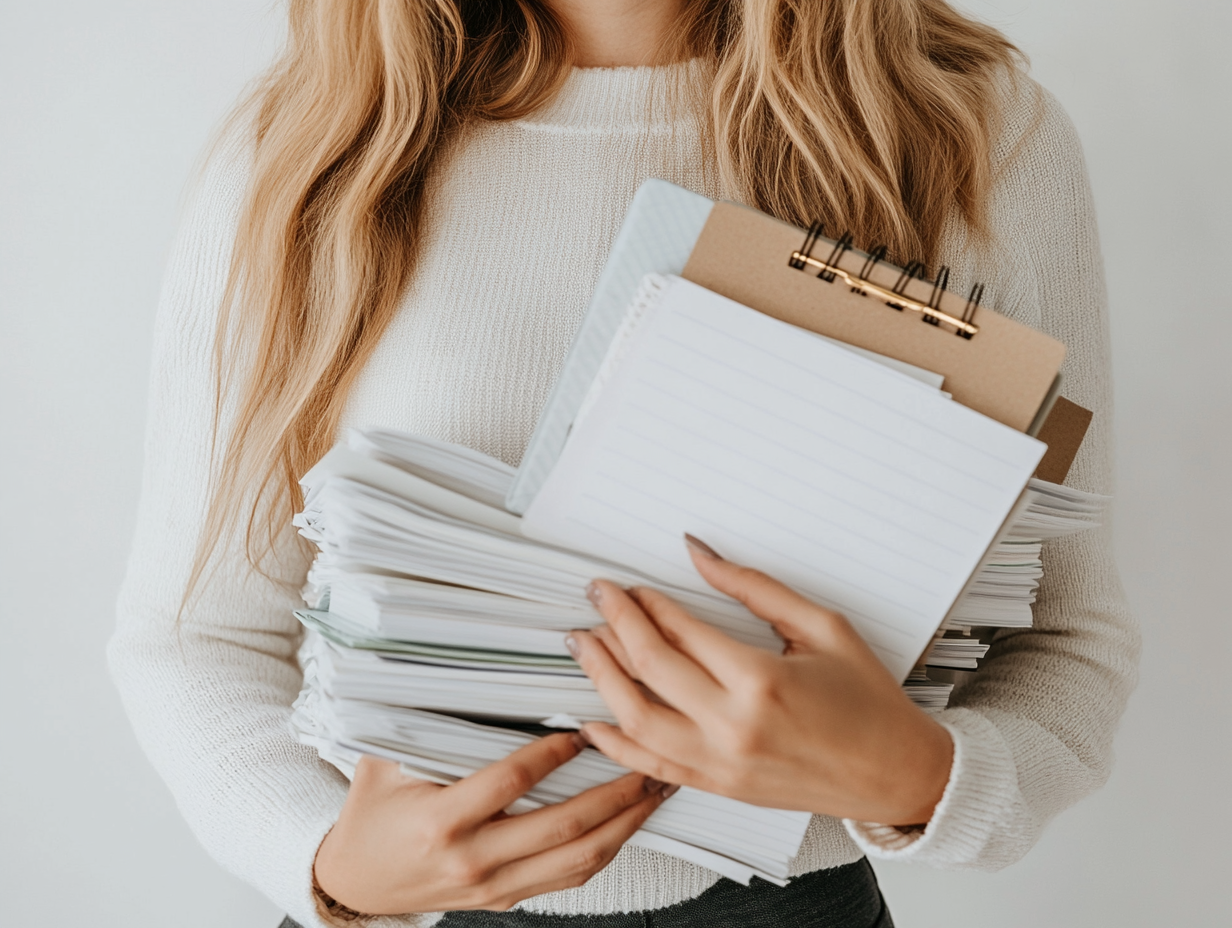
855, 484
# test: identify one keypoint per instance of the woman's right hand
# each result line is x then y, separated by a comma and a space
405, 845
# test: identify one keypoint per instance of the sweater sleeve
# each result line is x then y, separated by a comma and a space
209, 691
1033, 727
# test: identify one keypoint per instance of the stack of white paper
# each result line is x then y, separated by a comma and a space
403, 609
927, 693
454, 467
366, 531
477, 684
427, 594
955, 651
1004, 588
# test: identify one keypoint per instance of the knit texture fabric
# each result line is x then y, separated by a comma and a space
520, 218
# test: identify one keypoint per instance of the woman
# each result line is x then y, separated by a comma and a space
402, 229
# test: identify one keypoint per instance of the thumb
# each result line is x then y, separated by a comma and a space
802, 623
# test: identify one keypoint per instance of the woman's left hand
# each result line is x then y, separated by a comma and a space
823, 727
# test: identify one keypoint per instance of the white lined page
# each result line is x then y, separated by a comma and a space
840, 477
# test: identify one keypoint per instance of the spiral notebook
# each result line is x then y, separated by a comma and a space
992, 364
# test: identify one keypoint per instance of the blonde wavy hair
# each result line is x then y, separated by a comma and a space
876, 116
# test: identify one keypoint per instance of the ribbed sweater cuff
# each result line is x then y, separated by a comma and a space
300, 843
981, 788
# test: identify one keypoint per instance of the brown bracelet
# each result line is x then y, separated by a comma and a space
333, 907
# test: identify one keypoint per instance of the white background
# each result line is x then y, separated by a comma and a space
104, 107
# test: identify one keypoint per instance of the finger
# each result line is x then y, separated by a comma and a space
608, 637
523, 835
721, 656
478, 797
612, 642
800, 621
628, 753
572, 864
673, 675
643, 718
633, 708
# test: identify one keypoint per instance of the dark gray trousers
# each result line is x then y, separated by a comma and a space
842, 897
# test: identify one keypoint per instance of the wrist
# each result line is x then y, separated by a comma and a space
330, 906
924, 777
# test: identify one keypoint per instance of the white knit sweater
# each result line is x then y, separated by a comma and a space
520, 220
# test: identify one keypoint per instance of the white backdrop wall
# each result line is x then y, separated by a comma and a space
104, 108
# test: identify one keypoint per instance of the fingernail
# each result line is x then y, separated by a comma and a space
594, 594
580, 740
670, 790
572, 645
696, 544
652, 786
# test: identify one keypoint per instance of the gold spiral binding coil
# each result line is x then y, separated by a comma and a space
828, 270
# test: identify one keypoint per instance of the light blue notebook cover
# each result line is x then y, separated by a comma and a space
658, 234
